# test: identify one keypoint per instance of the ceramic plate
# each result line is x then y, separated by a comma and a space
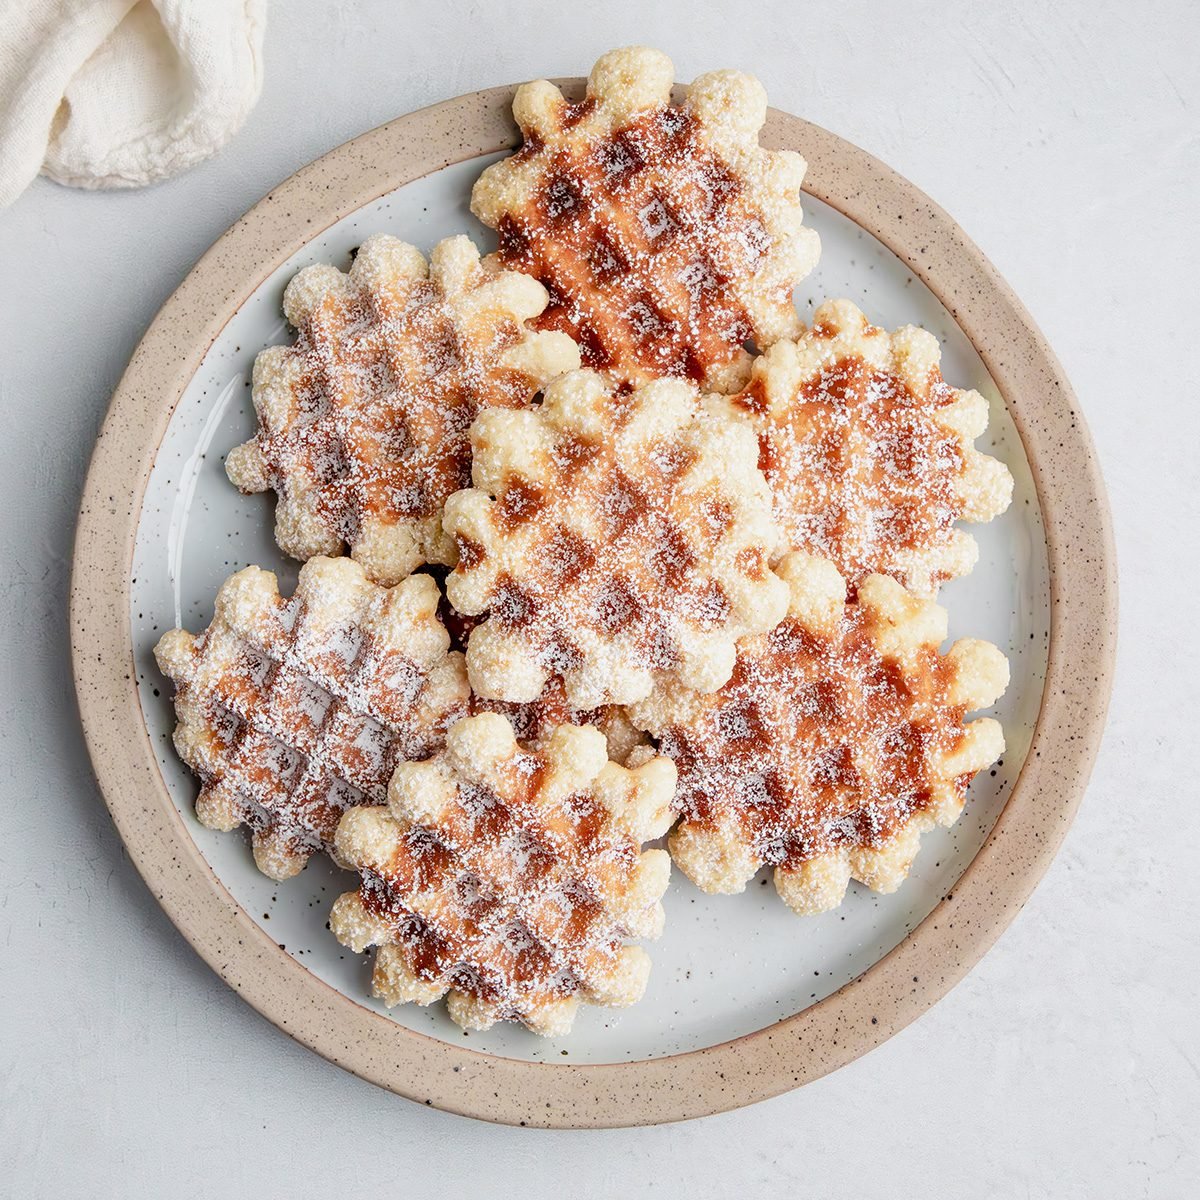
745, 999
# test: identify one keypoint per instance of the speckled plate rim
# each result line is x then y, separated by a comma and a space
794, 1051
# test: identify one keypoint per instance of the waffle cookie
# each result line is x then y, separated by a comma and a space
509, 878
837, 741
869, 451
363, 422
618, 540
666, 236
292, 711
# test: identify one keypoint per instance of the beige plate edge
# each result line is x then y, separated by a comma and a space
893, 992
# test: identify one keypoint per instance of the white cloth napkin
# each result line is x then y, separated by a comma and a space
120, 93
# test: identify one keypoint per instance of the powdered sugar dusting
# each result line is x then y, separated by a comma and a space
611, 564
364, 421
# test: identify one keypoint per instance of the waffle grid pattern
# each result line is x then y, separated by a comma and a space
618, 540
666, 236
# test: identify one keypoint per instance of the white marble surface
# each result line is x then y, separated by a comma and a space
1063, 137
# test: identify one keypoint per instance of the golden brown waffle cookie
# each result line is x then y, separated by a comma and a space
838, 740
666, 236
869, 451
509, 877
292, 711
617, 540
363, 422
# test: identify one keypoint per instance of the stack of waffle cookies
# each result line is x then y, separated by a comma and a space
601, 544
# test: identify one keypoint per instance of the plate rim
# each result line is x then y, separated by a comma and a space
891, 993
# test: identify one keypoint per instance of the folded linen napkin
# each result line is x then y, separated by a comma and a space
120, 93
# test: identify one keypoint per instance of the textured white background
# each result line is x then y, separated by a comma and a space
1064, 139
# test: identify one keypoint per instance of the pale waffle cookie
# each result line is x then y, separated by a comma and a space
292, 711
363, 423
617, 540
838, 740
666, 235
510, 878
869, 451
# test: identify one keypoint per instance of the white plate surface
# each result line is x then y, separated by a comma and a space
725, 965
